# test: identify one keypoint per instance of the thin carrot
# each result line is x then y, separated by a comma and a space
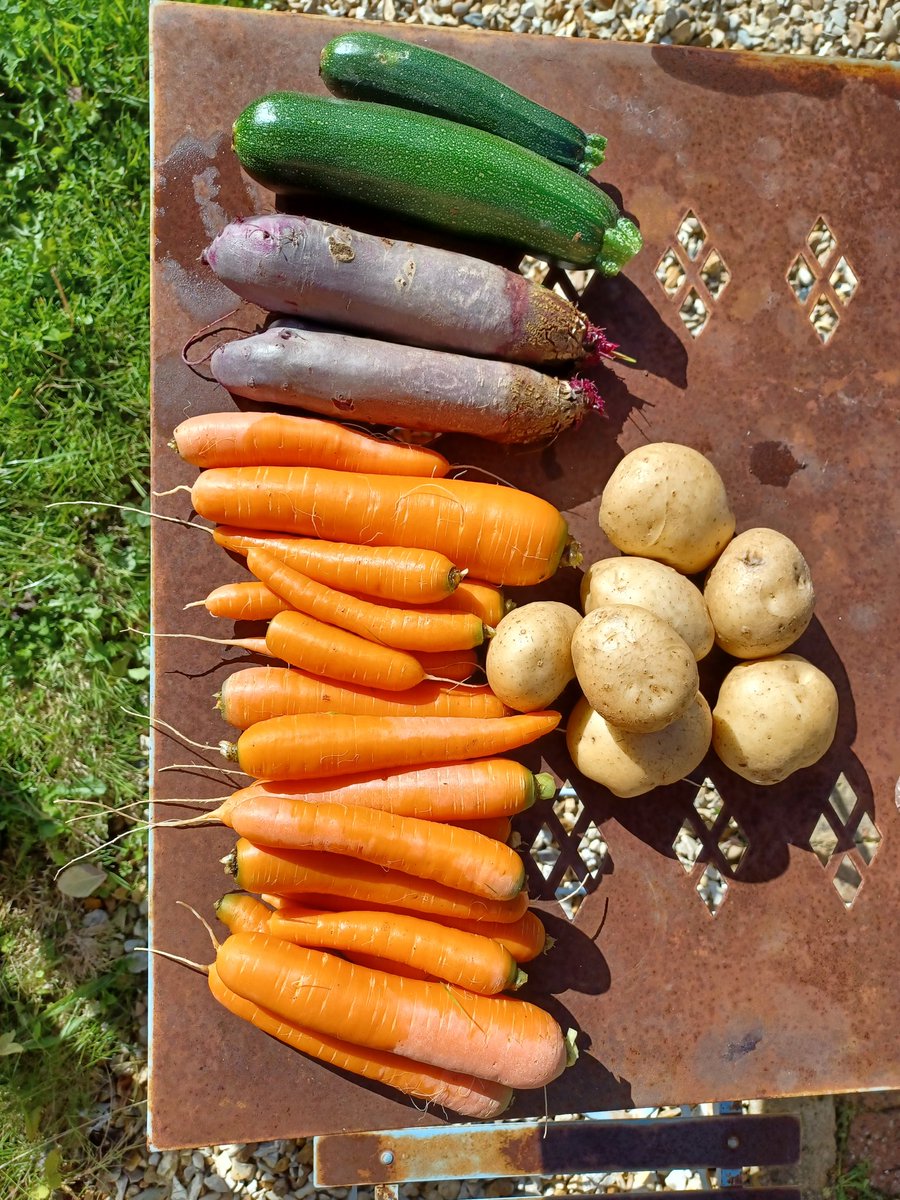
498, 534
396, 573
243, 439
507, 1040
319, 745
482, 599
404, 629
525, 938
452, 791
467, 959
498, 828
462, 1093
448, 854
313, 874
250, 601
303, 641
260, 693
374, 963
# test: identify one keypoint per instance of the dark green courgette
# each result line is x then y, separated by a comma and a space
434, 171
368, 66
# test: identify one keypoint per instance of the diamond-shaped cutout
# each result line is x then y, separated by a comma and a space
670, 273
712, 889
824, 319
715, 274
568, 807
842, 798
847, 881
823, 840
844, 281
867, 839
592, 849
694, 313
570, 893
733, 844
691, 234
821, 241
687, 846
801, 278
545, 850
535, 269
580, 279
708, 803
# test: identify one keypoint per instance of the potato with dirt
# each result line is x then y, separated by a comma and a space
633, 667
667, 502
631, 764
773, 717
529, 656
759, 594
648, 584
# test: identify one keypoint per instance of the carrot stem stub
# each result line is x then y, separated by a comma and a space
319, 745
506, 1040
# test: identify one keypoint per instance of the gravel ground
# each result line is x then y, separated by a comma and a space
848, 28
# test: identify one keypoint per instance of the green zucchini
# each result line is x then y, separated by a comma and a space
434, 171
368, 66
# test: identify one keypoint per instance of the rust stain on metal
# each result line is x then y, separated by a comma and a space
757, 149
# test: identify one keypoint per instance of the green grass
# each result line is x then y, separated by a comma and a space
74, 224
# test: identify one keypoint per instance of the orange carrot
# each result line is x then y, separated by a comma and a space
404, 629
497, 534
374, 963
485, 601
313, 874
469, 960
244, 439
464, 1094
507, 1040
302, 641
525, 938
453, 791
259, 693
242, 913
456, 665
498, 828
250, 601
448, 854
319, 745
394, 573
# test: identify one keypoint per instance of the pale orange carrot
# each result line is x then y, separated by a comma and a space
302, 641
315, 874
260, 693
498, 534
402, 628
504, 1039
462, 1093
243, 439
240, 912
395, 573
468, 960
319, 745
248, 601
448, 854
498, 828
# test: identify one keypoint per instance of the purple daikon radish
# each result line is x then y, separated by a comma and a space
383, 383
417, 294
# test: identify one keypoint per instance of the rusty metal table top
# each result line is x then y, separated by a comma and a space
731, 940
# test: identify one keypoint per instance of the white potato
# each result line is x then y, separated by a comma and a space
648, 584
529, 657
773, 717
633, 667
667, 502
759, 594
630, 764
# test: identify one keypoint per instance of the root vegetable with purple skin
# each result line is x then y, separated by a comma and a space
396, 289
383, 383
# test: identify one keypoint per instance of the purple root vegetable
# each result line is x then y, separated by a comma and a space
383, 383
417, 294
